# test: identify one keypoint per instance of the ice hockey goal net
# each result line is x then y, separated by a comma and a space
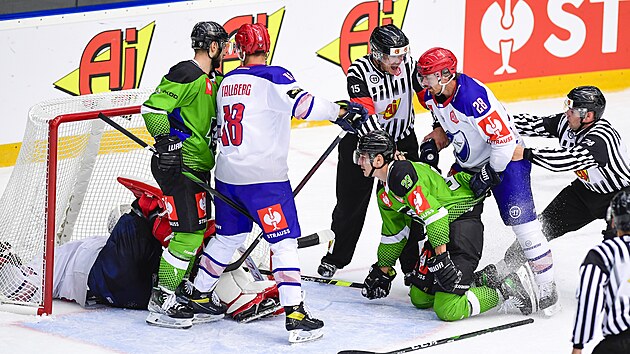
63, 187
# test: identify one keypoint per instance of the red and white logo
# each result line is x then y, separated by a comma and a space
418, 201
454, 117
385, 199
272, 218
169, 203
494, 127
201, 204
563, 36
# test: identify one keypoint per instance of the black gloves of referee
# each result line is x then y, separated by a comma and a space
169, 150
354, 117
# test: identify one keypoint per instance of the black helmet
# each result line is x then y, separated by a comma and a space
385, 38
377, 142
619, 211
588, 97
204, 33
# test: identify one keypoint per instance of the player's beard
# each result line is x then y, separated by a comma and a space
216, 62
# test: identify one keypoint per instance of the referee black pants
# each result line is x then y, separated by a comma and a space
573, 208
614, 344
353, 197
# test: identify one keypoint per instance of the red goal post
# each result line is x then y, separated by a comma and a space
63, 187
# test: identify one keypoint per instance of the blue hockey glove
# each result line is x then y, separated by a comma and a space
482, 181
429, 153
354, 117
377, 284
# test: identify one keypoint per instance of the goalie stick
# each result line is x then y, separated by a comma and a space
217, 194
445, 340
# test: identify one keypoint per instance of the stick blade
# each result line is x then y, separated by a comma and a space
315, 239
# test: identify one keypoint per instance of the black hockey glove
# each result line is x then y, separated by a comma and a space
354, 117
429, 153
377, 284
169, 150
446, 273
482, 181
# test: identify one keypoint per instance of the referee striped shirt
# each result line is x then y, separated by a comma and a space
388, 98
596, 154
604, 286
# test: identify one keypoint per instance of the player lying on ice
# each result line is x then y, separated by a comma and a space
414, 192
118, 270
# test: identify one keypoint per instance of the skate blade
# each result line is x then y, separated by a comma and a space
206, 318
300, 336
525, 272
267, 312
161, 320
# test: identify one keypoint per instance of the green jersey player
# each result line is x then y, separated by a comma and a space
181, 115
451, 216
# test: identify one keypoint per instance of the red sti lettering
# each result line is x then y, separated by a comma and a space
236, 90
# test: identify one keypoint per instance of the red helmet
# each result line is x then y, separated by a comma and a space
437, 59
252, 38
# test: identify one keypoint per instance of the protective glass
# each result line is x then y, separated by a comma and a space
393, 59
430, 80
568, 106
359, 156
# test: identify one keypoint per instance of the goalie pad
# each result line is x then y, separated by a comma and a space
247, 299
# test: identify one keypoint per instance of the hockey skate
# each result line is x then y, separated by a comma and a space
488, 276
165, 311
326, 270
266, 303
519, 291
206, 306
301, 326
548, 302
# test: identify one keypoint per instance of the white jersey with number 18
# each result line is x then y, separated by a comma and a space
255, 105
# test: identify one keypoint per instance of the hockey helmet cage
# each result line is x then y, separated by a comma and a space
377, 142
252, 38
589, 98
618, 215
389, 40
204, 33
437, 60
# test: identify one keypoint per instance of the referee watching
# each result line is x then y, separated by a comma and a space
590, 147
605, 286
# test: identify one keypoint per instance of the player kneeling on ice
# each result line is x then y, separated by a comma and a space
451, 216
118, 269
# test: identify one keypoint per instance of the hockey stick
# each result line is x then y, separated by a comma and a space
445, 340
201, 183
216, 193
299, 187
348, 284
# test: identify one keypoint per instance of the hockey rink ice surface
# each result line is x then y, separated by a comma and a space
351, 321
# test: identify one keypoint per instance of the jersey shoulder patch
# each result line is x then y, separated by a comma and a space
402, 178
471, 97
184, 72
